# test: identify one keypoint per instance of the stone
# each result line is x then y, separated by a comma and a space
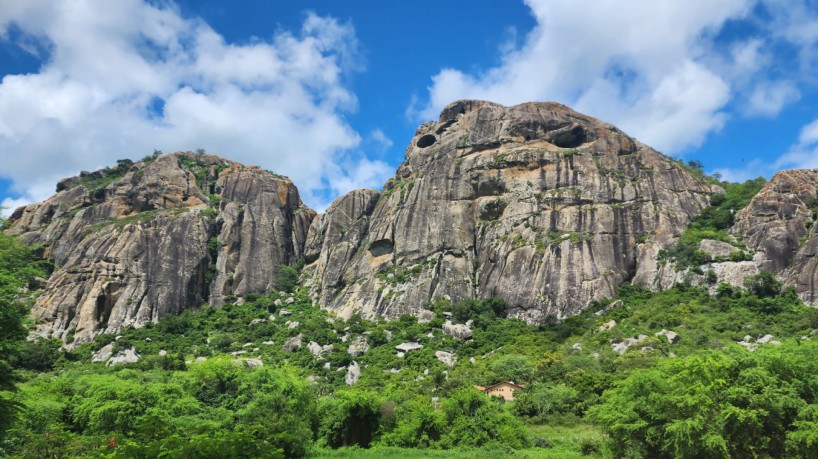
318, 350
625, 344
576, 347
407, 347
717, 249
778, 225
669, 334
253, 363
163, 352
358, 346
124, 357
353, 373
460, 331
289, 300
293, 344
292, 325
136, 249
447, 358
536, 204
104, 353
257, 321
268, 343
200, 359
764, 339
284, 313
607, 325
425, 316
472, 360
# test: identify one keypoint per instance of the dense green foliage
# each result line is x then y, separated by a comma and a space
170, 404
19, 266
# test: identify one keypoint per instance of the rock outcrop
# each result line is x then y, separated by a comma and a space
537, 204
136, 243
779, 223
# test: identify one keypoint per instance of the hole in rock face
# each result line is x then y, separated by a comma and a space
381, 247
569, 138
426, 141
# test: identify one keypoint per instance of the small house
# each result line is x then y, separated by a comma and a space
503, 389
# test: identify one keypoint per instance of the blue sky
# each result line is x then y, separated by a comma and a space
330, 92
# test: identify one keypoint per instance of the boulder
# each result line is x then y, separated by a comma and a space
293, 344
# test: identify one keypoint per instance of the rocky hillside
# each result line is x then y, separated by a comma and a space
779, 223
144, 240
537, 204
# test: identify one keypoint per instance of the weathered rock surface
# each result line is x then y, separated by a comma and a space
447, 358
717, 249
123, 357
406, 347
537, 204
779, 223
358, 346
293, 344
153, 239
353, 373
460, 331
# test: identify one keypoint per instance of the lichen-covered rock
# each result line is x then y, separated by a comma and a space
779, 223
134, 244
537, 204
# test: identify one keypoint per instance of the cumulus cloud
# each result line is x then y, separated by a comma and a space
119, 79
804, 153
666, 72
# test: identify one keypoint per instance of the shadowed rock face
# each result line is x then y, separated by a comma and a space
163, 237
779, 223
537, 204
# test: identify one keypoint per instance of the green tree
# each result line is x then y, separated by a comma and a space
19, 265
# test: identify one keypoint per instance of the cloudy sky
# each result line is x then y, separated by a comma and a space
329, 93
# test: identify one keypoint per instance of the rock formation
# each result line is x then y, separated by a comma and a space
537, 204
779, 223
136, 243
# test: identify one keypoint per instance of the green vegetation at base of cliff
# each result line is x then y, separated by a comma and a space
713, 223
582, 395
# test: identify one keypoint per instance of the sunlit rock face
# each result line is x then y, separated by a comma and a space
779, 223
537, 204
158, 237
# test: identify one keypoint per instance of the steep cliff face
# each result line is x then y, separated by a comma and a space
145, 240
779, 223
537, 204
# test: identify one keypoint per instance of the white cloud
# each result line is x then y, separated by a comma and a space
122, 78
768, 99
642, 64
803, 154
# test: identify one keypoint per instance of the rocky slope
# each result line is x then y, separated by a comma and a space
139, 242
537, 204
779, 223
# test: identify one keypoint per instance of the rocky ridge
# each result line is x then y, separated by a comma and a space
136, 243
537, 204
779, 224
